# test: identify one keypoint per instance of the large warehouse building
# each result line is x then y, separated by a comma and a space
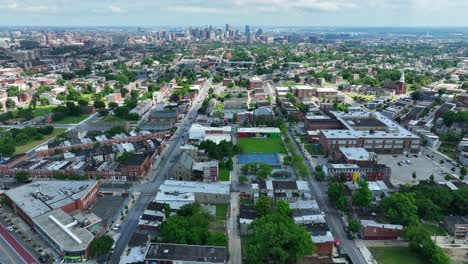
369, 130
47, 207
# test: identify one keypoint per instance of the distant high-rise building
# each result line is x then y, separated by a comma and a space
247, 34
119, 39
259, 32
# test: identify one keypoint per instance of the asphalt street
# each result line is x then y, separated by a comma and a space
333, 216
156, 177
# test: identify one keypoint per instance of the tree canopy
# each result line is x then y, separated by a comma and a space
190, 226
362, 196
277, 239
101, 245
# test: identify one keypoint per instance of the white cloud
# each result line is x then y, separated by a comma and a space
12, 5
29, 7
304, 5
37, 9
194, 9
115, 9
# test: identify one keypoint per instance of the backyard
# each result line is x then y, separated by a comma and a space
72, 119
31, 144
221, 211
434, 230
395, 255
224, 174
449, 149
261, 145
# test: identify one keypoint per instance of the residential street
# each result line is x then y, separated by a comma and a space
156, 177
235, 251
333, 216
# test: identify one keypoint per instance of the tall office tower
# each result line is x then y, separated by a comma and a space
247, 34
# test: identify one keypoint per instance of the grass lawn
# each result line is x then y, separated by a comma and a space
289, 84
224, 174
219, 107
221, 211
314, 149
218, 225
395, 255
72, 119
43, 110
111, 118
261, 145
449, 149
30, 145
434, 230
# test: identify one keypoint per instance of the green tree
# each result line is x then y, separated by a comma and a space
342, 203
83, 102
420, 241
283, 208
44, 101
13, 91
362, 196
10, 103
243, 179
103, 111
336, 194
413, 175
463, 171
400, 208
101, 245
431, 178
448, 177
21, 176
189, 226
112, 105
263, 171
275, 237
265, 205
354, 226
148, 61
99, 104
217, 239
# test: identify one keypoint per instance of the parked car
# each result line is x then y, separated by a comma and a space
116, 227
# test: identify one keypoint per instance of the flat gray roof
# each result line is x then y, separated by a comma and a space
172, 186
39, 197
55, 223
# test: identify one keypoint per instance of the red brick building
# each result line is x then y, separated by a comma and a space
255, 82
372, 230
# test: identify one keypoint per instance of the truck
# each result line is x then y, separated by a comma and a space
116, 238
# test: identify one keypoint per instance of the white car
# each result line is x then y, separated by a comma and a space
116, 227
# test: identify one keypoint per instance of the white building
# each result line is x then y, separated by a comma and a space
200, 133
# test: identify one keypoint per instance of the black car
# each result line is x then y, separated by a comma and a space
44, 258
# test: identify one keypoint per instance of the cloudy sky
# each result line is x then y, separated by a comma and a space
236, 12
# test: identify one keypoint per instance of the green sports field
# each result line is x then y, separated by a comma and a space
261, 145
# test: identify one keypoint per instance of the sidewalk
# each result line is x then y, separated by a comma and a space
365, 252
28, 258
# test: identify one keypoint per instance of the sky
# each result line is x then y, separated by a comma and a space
148, 13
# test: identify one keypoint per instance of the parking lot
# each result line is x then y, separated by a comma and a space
402, 172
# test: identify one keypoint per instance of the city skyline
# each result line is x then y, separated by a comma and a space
385, 13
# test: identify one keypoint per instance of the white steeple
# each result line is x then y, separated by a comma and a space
402, 78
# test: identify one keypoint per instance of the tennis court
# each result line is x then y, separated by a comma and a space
270, 159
